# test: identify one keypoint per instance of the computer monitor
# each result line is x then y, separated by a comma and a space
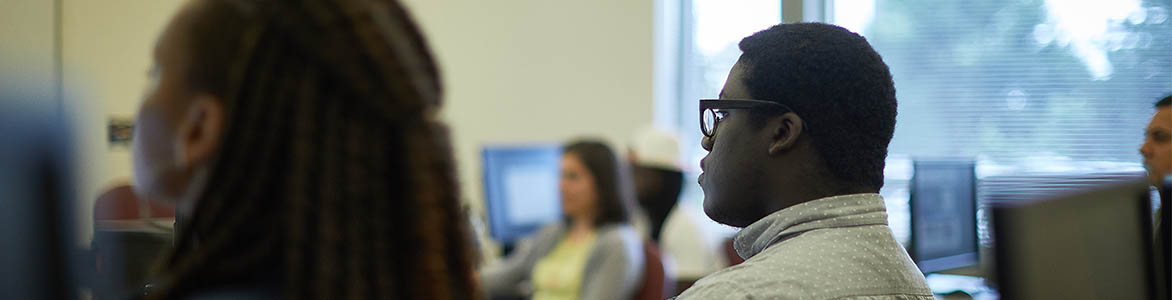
521, 189
1090, 244
943, 215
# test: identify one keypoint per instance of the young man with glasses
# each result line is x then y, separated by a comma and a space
797, 144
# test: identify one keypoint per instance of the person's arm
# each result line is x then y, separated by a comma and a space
615, 267
505, 278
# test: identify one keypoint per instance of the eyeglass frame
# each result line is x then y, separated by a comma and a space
714, 104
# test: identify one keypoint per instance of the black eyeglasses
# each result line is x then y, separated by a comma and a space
711, 114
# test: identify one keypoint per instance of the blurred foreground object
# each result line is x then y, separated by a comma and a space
1091, 244
37, 253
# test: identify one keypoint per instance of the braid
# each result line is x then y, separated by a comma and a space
333, 171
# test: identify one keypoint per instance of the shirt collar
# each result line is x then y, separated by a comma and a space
831, 212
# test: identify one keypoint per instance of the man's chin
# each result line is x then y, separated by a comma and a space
711, 210
721, 215
1157, 178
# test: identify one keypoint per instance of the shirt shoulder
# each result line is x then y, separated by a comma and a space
822, 264
753, 279
890, 297
715, 286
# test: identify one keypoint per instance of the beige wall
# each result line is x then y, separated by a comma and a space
27, 47
539, 70
516, 71
106, 51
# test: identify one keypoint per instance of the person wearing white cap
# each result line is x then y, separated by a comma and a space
690, 250
654, 156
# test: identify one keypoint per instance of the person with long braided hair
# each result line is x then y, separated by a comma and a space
298, 141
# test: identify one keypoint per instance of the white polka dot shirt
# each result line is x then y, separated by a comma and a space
831, 248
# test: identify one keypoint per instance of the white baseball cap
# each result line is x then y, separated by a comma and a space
656, 147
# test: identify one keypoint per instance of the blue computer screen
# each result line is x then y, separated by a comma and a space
521, 189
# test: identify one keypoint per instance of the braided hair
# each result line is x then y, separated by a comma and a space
333, 174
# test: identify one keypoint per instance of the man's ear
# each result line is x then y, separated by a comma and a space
784, 130
199, 131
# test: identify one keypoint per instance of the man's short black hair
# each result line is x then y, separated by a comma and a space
1167, 101
837, 84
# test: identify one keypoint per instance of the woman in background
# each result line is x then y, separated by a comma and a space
594, 253
298, 142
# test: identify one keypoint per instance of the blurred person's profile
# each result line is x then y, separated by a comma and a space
1157, 146
1157, 157
299, 143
